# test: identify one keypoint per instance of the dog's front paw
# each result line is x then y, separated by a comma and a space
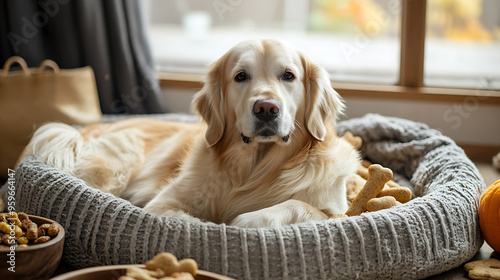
256, 219
166, 212
288, 212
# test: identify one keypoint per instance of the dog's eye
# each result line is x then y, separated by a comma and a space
288, 76
240, 77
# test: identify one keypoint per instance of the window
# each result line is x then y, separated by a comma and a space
462, 45
391, 43
355, 40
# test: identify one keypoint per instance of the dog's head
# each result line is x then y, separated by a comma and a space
264, 90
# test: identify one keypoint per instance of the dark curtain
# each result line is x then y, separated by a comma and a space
109, 35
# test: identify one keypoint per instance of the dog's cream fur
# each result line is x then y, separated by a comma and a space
207, 171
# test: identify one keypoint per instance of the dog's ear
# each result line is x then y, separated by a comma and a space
323, 103
208, 102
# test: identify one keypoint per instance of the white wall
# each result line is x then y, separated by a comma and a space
466, 123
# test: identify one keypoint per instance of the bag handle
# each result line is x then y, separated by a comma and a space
15, 59
49, 63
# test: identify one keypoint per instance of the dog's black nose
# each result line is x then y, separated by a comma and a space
266, 109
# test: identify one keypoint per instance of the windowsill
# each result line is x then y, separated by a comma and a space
365, 90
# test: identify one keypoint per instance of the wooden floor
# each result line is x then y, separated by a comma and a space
490, 175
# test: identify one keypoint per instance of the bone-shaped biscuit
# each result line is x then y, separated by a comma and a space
168, 264
401, 194
377, 178
363, 172
380, 203
484, 269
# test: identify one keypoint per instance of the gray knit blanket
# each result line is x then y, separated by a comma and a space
436, 231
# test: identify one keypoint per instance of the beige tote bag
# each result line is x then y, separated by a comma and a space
34, 96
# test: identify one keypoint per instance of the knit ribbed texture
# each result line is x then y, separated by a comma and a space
436, 231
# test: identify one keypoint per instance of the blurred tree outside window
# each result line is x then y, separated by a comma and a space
463, 44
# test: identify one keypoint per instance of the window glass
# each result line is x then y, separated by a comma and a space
462, 46
355, 40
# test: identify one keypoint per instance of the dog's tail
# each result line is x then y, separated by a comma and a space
57, 145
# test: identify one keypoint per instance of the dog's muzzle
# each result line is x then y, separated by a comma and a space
267, 114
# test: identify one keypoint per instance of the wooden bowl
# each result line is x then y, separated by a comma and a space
113, 272
38, 261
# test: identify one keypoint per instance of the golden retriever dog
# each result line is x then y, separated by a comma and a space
266, 153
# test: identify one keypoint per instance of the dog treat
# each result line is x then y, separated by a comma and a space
45, 226
13, 218
139, 274
53, 231
401, 194
393, 184
25, 223
50, 229
363, 172
169, 264
26, 232
31, 231
4, 227
6, 240
41, 239
22, 216
484, 269
163, 266
22, 240
378, 176
367, 193
380, 203
355, 141
18, 231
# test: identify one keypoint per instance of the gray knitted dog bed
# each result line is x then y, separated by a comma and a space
436, 231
